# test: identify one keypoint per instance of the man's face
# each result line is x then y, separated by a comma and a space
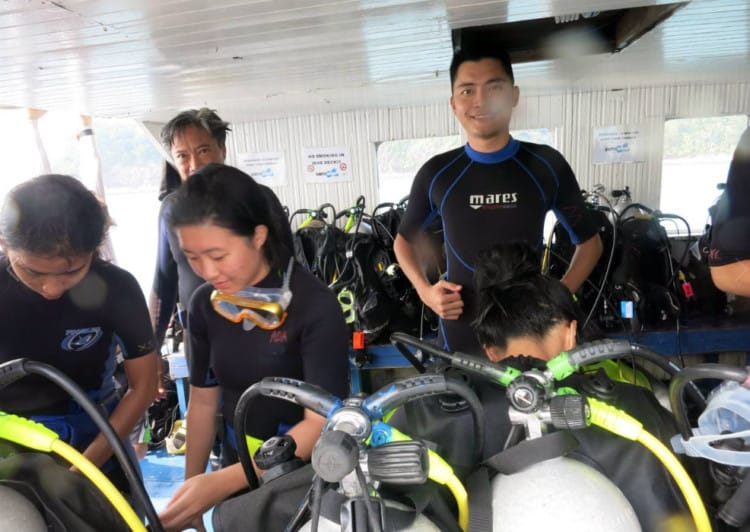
193, 148
483, 99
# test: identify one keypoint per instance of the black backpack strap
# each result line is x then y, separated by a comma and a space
529, 452
512, 460
480, 500
332, 502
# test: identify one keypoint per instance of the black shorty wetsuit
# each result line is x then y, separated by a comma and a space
491, 198
74, 334
730, 234
174, 278
311, 345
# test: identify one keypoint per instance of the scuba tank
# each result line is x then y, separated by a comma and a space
560, 494
19, 514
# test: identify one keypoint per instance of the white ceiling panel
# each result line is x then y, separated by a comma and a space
260, 59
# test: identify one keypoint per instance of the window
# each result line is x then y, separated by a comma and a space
399, 160
537, 136
697, 153
130, 165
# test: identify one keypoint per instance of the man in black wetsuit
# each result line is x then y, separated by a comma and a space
493, 190
195, 138
730, 235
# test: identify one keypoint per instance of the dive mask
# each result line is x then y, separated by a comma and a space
254, 306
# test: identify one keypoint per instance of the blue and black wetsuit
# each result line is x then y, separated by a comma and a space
485, 199
75, 334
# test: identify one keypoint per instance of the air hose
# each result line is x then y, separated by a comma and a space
38, 437
306, 395
620, 423
439, 470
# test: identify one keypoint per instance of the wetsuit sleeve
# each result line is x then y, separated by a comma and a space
420, 211
165, 278
568, 204
731, 225
130, 317
325, 345
199, 347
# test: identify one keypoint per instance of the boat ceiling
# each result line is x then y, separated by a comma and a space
262, 59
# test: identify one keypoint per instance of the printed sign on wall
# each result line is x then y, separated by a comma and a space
326, 165
619, 144
268, 168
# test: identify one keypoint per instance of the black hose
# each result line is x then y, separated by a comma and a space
243, 453
78, 395
687, 376
317, 498
372, 516
464, 391
605, 276
670, 368
736, 511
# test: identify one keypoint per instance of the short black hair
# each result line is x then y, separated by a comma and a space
204, 118
227, 197
515, 298
476, 52
53, 215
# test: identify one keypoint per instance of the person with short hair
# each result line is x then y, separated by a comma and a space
194, 138
729, 257
494, 189
62, 305
227, 231
525, 319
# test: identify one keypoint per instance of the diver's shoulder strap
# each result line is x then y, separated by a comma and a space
530, 452
480, 500
333, 501
507, 462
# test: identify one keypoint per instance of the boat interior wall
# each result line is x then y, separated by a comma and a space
573, 117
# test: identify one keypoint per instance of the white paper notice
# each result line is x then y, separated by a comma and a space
326, 165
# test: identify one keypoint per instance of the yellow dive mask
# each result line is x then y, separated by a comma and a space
254, 306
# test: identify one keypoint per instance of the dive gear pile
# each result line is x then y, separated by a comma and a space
352, 252
366, 475
640, 282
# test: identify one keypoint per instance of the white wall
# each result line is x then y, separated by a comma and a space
574, 116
